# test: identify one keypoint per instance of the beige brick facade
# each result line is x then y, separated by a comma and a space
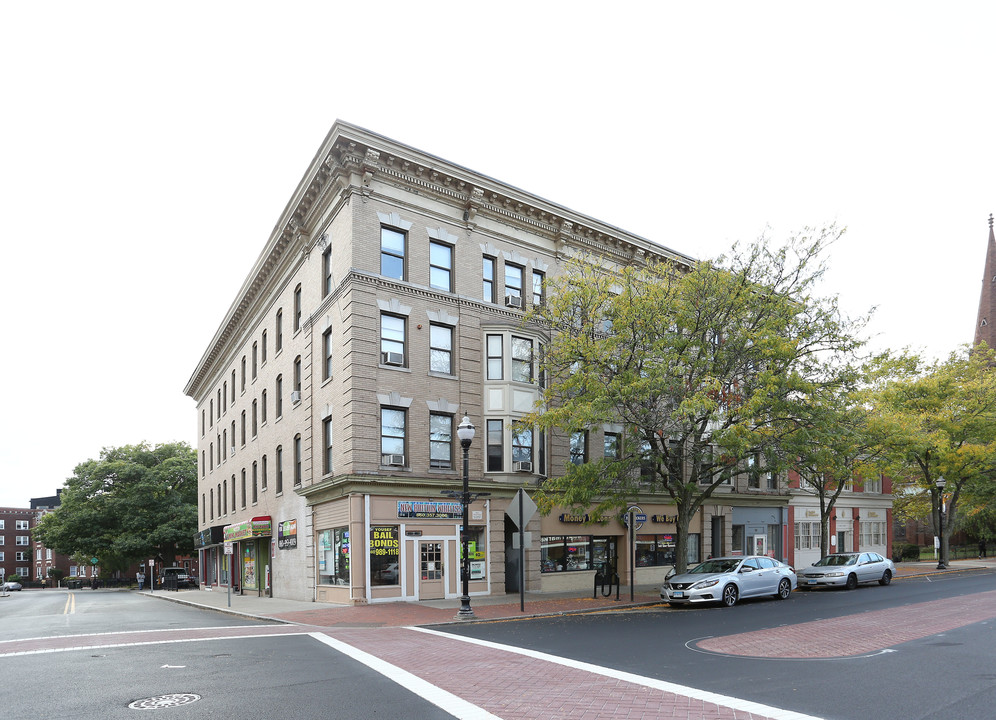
326, 251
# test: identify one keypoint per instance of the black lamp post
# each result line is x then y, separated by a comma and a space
940, 483
465, 431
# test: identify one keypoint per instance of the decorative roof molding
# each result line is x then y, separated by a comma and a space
442, 235
442, 405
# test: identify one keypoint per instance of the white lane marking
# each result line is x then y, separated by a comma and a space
146, 642
703, 695
454, 705
143, 632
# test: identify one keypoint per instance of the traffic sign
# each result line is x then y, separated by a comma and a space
528, 509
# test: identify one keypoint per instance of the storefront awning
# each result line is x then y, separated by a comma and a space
257, 527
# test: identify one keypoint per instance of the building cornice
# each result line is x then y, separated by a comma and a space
348, 162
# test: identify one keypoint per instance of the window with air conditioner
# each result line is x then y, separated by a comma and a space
522, 466
392, 339
393, 422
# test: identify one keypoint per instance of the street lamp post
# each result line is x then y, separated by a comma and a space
465, 431
940, 483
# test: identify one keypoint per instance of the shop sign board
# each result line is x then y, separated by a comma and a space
257, 527
670, 519
429, 509
287, 534
384, 540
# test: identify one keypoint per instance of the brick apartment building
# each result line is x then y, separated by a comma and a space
386, 305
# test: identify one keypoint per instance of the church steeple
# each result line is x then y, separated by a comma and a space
985, 325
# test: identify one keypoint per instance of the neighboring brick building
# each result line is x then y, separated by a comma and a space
16, 547
387, 304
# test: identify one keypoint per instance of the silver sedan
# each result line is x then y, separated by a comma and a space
727, 579
846, 570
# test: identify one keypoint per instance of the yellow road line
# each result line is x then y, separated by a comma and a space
70, 608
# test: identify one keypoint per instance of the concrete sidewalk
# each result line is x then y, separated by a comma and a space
487, 608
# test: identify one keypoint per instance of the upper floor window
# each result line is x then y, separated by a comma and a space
243, 495
441, 349
392, 253
873, 485
255, 360
440, 440
279, 390
488, 292
495, 357
224, 397
392, 339
211, 413
255, 417
522, 359
611, 445
279, 330
280, 469
327, 445
327, 354
496, 446
297, 375
327, 271
242, 430
522, 445
203, 422
392, 434
21, 524
255, 484
538, 287
298, 461
263, 476
262, 407
513, 280
579, 447
262, 348
233, 387
297, 308
242, 376
22, 540
441, 266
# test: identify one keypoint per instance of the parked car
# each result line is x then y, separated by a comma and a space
728, 579
846, 570
182, 577
12, 586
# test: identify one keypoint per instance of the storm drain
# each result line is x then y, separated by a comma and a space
164, 701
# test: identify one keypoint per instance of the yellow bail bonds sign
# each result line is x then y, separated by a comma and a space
384, 540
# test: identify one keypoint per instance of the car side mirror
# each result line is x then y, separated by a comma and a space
670, 573
746, 569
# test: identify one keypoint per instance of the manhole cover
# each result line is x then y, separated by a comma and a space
164, 701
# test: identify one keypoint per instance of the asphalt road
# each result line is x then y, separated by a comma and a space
951, 675
92, 654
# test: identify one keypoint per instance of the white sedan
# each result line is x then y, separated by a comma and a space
728, 579
846, 570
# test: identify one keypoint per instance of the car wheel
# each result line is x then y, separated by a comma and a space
784, 589
852, 582
730, 595
886, 578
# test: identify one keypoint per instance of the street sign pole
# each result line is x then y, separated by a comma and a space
522, 557
632, 552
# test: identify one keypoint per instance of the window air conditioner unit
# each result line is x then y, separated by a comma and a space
513, 301
522, 466
392, 459
295, 396
392, 358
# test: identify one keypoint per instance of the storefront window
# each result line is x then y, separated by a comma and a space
694, 548
654, 550
739, 545
384, 555
333, 556
565, 552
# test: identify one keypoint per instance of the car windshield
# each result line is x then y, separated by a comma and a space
837, 560
721, 565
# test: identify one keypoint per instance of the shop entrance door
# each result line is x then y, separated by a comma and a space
430, 566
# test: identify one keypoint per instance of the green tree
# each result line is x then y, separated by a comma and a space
133, 503
832, 443
704, 368
939, 420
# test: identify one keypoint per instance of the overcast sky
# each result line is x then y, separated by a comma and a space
147, 150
